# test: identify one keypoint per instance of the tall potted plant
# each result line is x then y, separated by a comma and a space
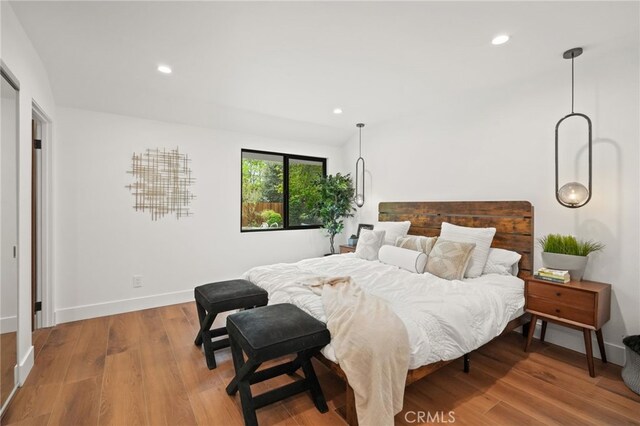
333, 203
567, 253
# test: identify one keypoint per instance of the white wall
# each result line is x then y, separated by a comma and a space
21, 58
102, 242
499, 145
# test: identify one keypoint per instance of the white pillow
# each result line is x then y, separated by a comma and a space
369, 244
503, 262
394, 230
411, 260
482, 237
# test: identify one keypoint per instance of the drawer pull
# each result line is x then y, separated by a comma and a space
558, 294
557, 311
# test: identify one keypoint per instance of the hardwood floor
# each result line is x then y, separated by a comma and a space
8, 350
142, 368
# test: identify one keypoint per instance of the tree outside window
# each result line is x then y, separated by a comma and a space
278, 190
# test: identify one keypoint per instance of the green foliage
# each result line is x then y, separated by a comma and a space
252, 181
252, 185
334, 203
568, 244
303, 193
262, 182
273, 183
271, 217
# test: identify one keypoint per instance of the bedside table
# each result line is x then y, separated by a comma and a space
347, 249
583, 305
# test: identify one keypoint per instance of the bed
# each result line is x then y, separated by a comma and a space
445, 320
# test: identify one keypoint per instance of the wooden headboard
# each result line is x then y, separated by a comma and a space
513, 221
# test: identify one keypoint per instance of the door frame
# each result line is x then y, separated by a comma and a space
15, 83
46, 260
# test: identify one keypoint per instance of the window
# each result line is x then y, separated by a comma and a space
278, 190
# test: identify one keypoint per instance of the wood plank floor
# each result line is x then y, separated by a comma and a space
7, 363
142, 368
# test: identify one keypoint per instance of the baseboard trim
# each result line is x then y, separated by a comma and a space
574, 340
25, 366
82, 312
7, 401
8, 324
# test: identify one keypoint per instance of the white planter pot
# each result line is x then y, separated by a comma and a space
574, 264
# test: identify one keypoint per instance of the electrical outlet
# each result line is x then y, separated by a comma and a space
137, 281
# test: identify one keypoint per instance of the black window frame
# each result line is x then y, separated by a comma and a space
285, 188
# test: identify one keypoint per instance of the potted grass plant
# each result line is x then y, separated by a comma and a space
566, 252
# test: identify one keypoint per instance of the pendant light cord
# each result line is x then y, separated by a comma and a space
360, 143
572, 78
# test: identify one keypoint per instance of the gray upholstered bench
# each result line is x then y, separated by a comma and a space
223, 296
268, 333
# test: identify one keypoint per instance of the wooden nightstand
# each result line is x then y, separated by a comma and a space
583, 305
347, 249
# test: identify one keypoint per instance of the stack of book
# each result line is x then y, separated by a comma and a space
552, 275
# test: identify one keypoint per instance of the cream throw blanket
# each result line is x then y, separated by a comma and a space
371, 345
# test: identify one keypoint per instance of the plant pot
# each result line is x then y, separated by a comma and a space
574, 264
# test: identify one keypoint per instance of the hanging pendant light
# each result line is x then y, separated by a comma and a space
360, 171
573, 194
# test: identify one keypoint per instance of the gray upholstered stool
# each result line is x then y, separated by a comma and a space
267, 333
223, 296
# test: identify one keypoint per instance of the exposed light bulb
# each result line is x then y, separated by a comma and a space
573, 194
359, 200
501, 39
164, 69
337, 110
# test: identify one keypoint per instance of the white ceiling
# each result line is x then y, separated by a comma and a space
279, 68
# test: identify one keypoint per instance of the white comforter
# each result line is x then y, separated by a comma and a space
444, 319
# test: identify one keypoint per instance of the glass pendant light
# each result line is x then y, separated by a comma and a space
360, 171
573, 194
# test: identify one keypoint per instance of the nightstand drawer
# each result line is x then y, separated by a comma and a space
347, 249
562, 295
553, 308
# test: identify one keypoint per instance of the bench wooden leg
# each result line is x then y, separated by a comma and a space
466, 363
314, 386
206, 334
243, 369
248, 410
209, 346
246, 375
202, 317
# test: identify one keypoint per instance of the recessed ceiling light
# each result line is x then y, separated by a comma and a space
501, 39
164, 69
337, 110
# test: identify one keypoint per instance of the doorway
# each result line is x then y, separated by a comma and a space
41, 292
9, 136
36, 195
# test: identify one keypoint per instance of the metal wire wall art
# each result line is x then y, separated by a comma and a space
162, 183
